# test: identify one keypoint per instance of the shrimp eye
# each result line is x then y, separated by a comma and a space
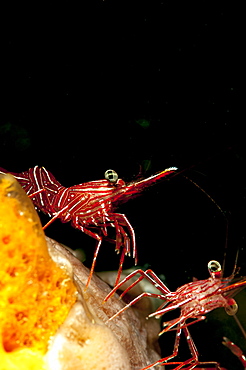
111, 176
214, 266
232, 307
214, 269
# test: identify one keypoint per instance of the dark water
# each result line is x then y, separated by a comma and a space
70, 102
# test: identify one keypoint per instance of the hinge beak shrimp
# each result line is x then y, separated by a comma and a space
194, 300
89, 206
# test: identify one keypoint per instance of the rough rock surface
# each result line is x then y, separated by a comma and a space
127, 342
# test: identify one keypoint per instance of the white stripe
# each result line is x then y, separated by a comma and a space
62, 195
94, 190
35, 177
47, 174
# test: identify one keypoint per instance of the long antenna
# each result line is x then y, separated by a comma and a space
226, 219
239, 325
225, 248
207, 195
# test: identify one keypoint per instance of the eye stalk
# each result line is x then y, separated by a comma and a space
214, 268
111, 176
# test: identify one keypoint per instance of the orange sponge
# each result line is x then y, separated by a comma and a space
36, 294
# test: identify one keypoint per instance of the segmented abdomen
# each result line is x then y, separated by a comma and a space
36, 179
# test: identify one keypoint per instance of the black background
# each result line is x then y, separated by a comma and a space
113, 84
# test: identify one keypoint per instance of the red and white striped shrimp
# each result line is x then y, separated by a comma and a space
89, 206
194, 300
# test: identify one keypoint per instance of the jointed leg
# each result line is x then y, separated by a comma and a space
135, 300
54, 217
121, 220
99, 242
148, 274
163, 361
122, 257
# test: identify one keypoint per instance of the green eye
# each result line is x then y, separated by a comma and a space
214, 266
111, 176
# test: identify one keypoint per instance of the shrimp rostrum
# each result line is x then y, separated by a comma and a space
194, 300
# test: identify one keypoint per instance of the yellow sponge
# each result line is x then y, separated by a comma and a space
36, 295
